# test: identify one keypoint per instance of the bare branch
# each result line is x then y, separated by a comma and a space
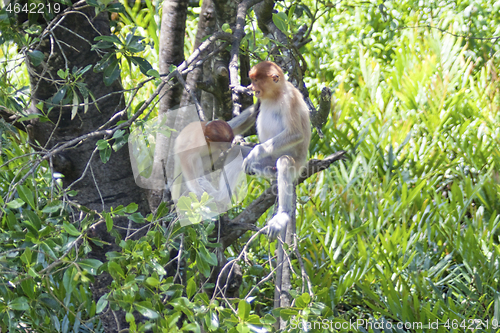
319, 118
239, 33
193, 96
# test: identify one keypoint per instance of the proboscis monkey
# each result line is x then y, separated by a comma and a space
284, 132
197, 147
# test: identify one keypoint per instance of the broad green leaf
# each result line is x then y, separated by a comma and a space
146, 310
90, 265
101, 303
111, 72
36, 57
15, 204
191, 287
243, 309
115, 270
20, 303
70, 229
59, 95
131, 208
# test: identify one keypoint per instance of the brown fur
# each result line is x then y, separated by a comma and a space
284, 130
218, 131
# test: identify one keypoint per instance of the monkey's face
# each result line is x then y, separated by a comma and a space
267, 80
267, 87
255, 86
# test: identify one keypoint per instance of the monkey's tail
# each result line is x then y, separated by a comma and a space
279, 222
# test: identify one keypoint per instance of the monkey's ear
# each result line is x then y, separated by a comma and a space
276, 78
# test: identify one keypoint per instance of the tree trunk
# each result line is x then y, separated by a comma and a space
206, 27
173, 26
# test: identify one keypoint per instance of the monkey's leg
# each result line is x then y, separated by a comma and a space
263, 167
193, 171
230, 173
284, 165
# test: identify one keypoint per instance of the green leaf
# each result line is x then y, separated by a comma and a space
152, 281
129, 317
74, 108
287, 313
158, 268
52, 207
210, 258
134, 43
154, 73
59, 95
290, 13
63, 74
116, 8
31, 116
146, 310
15, 204
131, 208
243, 309
191, 287
104, 150
280, 20
68, 279
111, 73
143, 64
268, 320
28, 288
136, 217
115, 270
36, 57
26, 195
70, 229
109, 38
91, 266
109, 222
202, 266
101, 303
20, 303
105, 155
102, 144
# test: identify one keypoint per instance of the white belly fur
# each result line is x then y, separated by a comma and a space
269, 122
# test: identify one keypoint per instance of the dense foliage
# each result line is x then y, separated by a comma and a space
403, 231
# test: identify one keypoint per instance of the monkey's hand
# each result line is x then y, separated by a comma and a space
277, 224
251, 162
259, 163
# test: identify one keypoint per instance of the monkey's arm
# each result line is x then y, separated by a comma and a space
245, 120
278, 144
259, 160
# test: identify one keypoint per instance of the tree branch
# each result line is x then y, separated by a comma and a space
267, 199
11, 118
238, 34
319, 117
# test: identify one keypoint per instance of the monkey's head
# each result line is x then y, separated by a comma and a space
218, 131
267, 80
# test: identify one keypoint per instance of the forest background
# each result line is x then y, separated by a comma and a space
403, 230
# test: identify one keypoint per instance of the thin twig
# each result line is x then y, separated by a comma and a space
201, 114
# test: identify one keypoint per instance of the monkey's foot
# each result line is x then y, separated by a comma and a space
277, 224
